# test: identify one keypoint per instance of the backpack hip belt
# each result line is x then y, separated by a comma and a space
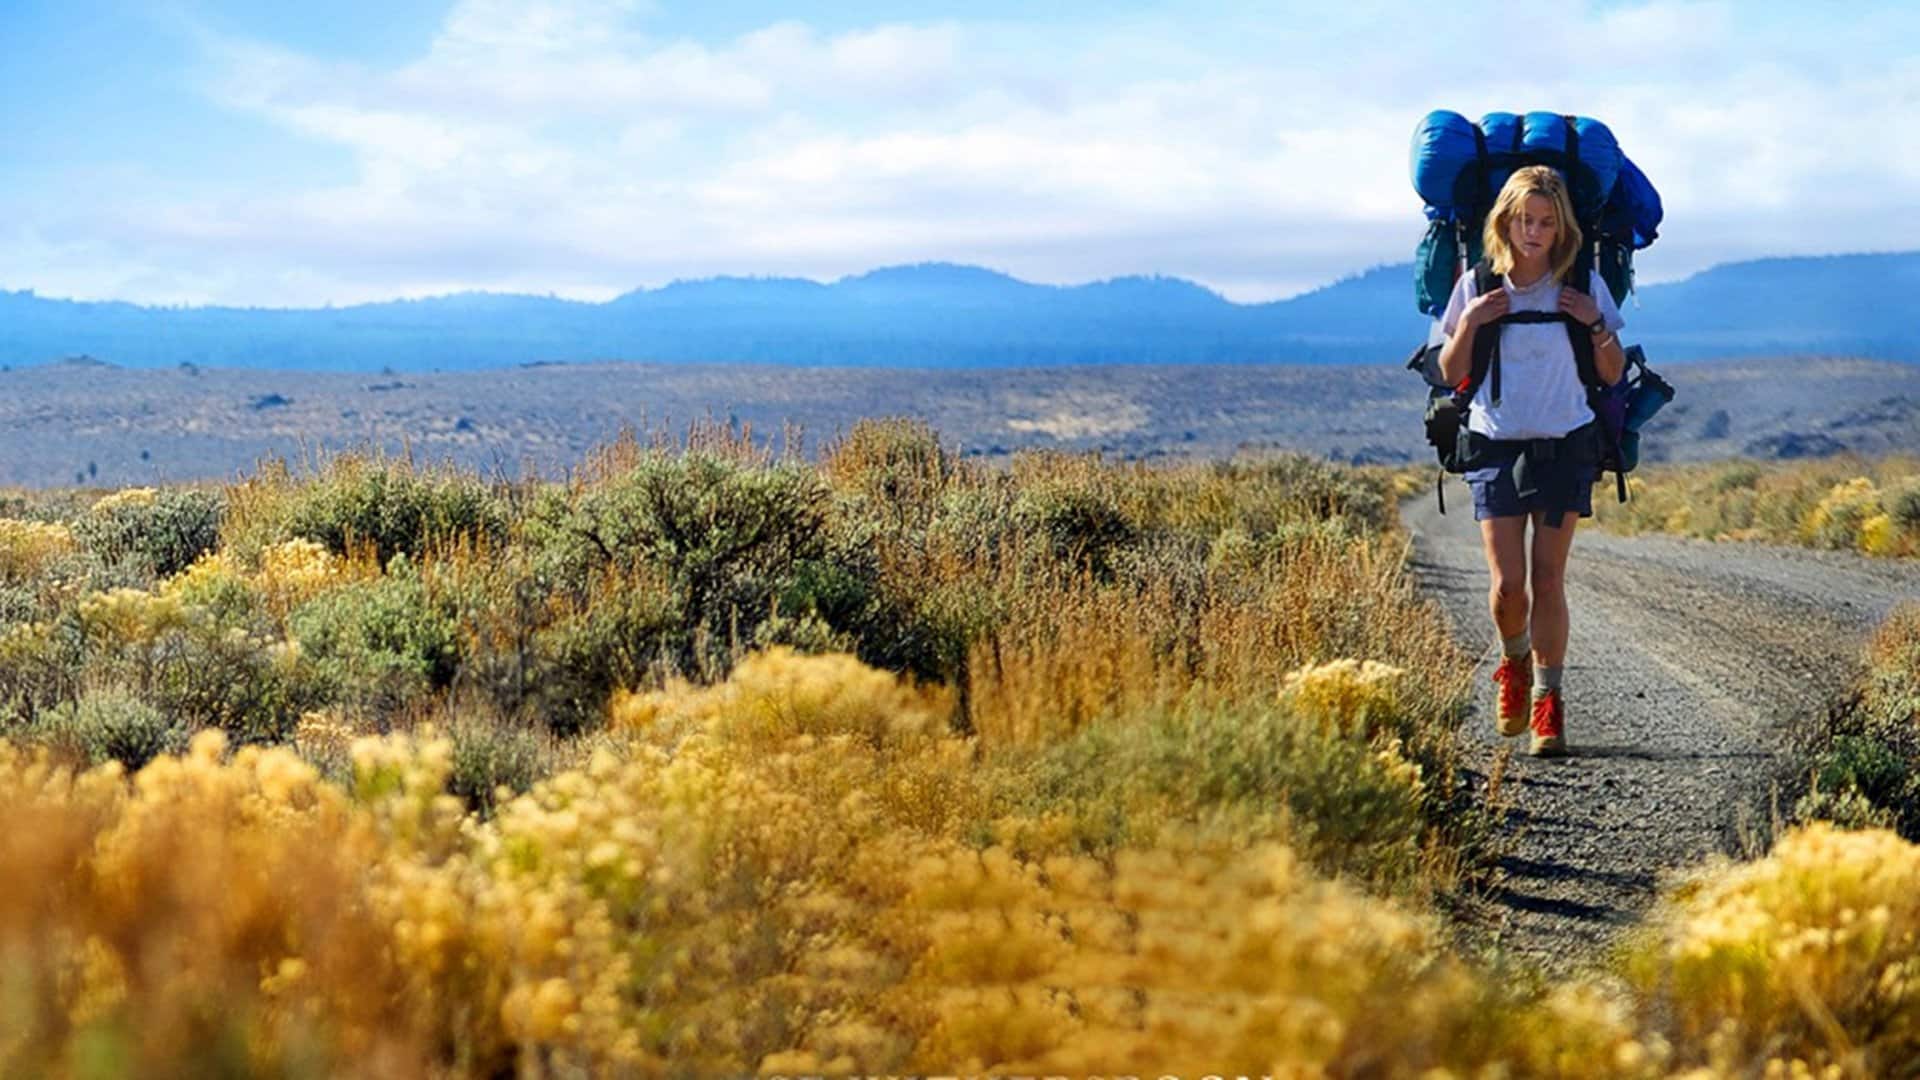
1552, 468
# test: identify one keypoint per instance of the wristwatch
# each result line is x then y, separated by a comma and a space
1597, 327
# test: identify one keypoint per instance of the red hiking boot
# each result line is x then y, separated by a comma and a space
1514, 677
1549, 726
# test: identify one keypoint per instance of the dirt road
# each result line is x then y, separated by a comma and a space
1690, 665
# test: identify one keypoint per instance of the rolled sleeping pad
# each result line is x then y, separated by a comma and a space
1458, 167
1541, 138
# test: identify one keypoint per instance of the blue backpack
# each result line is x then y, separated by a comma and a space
1458, 169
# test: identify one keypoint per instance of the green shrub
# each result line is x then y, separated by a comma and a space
155, 534
725, 537
897, 463
802, 633
1902, 503
1081, 526
487, 757
112, 726
837, 601
378, 645
392, 508
18, 604
973, 524
1172, 560
1846, 807
630, 635
1295, 487
1739, 476
1864, 764
40, 666
240, 683
1256, 770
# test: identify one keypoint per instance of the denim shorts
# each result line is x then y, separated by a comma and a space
1494, 495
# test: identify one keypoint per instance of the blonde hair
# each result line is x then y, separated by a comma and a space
1544, 181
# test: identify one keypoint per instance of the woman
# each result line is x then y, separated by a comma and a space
1535, 447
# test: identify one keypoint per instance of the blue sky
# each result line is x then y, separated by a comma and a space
213, 151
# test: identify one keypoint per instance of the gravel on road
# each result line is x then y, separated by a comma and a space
1691, 665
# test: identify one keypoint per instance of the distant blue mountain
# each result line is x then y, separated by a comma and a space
946, 315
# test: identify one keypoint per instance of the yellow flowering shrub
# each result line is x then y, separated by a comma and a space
803, 912
27, 547
1836, 520
125, 497
294, 571
324, 733
774, 695
745, 888
216, 584
1879, 536
209, 574
1809, 956
1842, 502
770, 875
205, 918
131, 617
1344, 694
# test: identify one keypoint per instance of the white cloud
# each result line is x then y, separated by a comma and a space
560, 146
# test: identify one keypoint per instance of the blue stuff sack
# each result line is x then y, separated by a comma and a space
1633, 212
1459, 167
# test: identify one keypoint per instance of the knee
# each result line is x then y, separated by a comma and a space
1509, 592
1551, 583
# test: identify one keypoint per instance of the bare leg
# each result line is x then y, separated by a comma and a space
1549, 579
1504, 540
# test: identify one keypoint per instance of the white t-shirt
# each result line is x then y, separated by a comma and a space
1540, 392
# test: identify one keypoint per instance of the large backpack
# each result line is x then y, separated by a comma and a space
1618, 409
1458, 169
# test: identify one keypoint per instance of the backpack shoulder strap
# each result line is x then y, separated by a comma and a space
1484, 279
1486, 345
1581, 277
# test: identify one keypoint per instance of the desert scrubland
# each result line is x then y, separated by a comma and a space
708, 761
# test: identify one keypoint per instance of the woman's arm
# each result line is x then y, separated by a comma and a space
1609, 359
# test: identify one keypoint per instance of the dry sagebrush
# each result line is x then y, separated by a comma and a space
1845, 503
775, 874
805, 869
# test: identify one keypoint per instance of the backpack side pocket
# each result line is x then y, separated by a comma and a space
1445, 426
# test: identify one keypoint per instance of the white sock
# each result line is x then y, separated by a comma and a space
1518, 645
1544, 679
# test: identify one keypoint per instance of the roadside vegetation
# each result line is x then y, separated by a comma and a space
1864, 762
708, 762
1841, 503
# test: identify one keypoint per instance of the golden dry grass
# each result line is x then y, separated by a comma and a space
1847, 503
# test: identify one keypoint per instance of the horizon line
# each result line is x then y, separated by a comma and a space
1343, 279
